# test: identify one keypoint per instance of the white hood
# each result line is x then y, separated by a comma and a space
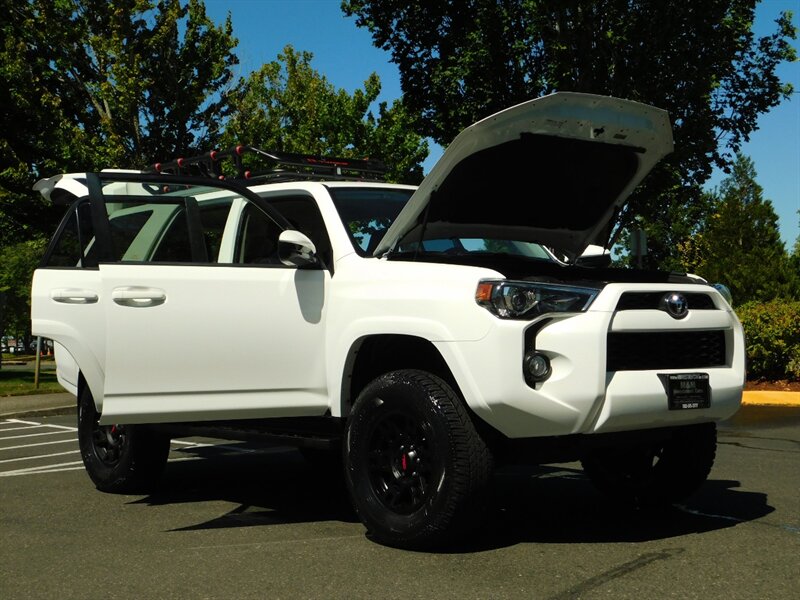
551, 170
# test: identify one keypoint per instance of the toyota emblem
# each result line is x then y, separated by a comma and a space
675, 304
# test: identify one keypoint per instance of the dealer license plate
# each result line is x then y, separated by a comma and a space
688, 390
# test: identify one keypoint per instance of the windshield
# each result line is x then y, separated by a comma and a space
368, 212
461, 246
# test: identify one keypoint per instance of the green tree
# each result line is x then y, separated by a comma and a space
740, 245
287, 105
88, 84
17, 263
461, 61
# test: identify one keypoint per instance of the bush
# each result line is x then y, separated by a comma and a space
772, 332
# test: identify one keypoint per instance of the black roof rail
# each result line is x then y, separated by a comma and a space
282, 166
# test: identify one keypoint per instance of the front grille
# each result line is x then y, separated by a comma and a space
645, 351
652, 301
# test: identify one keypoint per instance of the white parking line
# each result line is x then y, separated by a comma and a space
18, 424
65, 427
18, 474
193, 444
4, 429
8, 460
220, 446
29, 435
48, 468
39, 444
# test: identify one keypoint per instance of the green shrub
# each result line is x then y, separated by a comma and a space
772, 332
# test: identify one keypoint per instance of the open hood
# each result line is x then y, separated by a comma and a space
551, 170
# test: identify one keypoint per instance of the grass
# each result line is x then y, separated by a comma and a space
20, 383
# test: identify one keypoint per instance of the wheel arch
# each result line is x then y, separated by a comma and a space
373, 355
77, 368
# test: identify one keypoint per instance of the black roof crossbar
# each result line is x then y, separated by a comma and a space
283, 166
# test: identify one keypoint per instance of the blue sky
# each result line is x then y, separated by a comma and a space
345, 55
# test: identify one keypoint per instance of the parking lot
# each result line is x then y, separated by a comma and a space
235, 520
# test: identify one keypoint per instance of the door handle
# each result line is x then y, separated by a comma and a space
138, 297
74, 296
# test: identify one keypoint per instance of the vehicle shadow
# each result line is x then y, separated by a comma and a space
544, 504
558, 505
272, 486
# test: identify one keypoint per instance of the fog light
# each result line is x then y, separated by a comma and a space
536, 367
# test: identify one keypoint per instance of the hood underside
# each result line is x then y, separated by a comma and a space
552, 170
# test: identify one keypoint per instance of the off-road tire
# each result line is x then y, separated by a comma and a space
415, 467
121, 459
655, 474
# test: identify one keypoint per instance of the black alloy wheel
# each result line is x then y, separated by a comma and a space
416, 468
109, 442
119, 458
403, 468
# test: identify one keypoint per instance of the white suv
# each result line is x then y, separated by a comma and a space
423, 334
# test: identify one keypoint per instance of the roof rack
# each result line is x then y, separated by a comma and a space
281, 166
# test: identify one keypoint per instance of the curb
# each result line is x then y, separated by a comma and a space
42, 412
37, 405
771, 398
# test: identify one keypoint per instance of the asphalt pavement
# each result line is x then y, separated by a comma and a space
234, 520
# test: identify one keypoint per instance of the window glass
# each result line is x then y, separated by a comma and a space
462, 246
257, 239
213, 217
124, 229
175, 245
163, 231
368, 212
74, 246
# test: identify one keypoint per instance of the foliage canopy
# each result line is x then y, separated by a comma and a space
89, 84
461, 61
288, 106
740, 244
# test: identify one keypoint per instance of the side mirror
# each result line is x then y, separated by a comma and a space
595, 257
296, 250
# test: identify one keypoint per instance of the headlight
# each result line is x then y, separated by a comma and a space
524, 300
724, 291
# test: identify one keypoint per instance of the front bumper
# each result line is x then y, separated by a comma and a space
581, 395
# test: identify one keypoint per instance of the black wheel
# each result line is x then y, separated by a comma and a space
119, 458
415, 467
655, 474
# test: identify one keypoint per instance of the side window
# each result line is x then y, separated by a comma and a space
179, 230
74, 245
174, 246
257, 238
302, 212
213, 218
125, 228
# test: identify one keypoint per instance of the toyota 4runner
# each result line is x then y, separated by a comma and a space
424, 334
